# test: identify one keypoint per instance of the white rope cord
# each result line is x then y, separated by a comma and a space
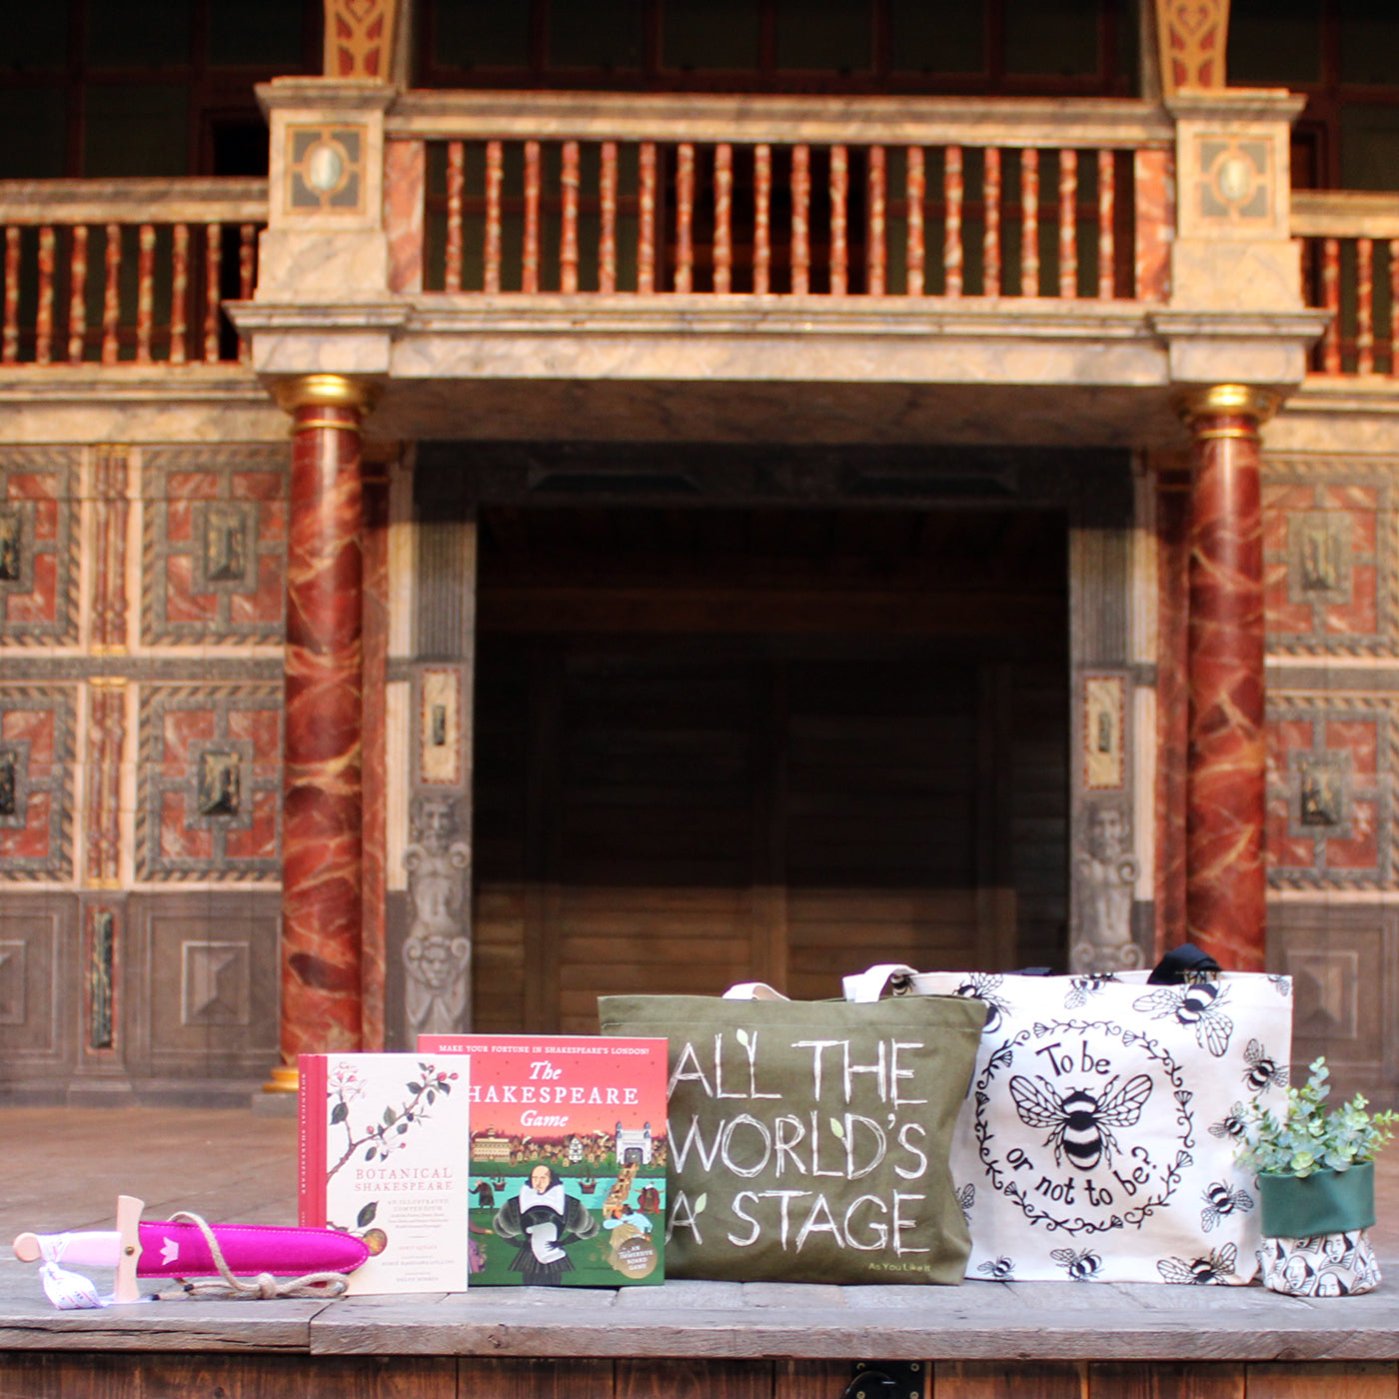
263, 1286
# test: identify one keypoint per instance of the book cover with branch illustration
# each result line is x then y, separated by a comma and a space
383, 1146
568, 1157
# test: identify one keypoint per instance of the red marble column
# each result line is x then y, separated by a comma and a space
322, 785
1226, 760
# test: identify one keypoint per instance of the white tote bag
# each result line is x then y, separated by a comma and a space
1097, 1140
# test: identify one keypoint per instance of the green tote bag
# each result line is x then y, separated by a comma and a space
808, 1141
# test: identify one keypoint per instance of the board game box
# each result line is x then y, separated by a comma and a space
568, 1158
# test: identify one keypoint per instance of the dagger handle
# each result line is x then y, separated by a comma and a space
128, 1229
94, 1248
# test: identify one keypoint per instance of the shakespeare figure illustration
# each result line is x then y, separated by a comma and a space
545, 1220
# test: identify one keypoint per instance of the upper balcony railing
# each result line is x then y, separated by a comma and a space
126, 271
666, 198
1350, 267
577, 195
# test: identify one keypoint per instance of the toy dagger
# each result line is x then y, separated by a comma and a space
176, 1249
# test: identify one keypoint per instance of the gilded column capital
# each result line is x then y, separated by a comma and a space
1227, 400
323, 391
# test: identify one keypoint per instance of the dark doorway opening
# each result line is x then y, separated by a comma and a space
719, 744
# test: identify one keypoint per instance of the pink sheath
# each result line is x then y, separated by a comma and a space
170, 1250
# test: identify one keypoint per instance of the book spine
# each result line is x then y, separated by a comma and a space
311, 1114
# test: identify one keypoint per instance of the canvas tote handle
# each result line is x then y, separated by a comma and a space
753, 991
896, 977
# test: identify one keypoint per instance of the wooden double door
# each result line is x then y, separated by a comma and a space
682, 785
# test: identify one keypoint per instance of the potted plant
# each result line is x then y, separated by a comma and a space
1316, 1187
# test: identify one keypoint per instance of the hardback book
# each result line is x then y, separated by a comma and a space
383, 1144
568, 1157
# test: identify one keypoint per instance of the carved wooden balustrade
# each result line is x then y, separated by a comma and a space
1350, 267
560, 194
570, 194
126, 271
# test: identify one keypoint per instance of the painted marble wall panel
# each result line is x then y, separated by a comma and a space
1331, 770
36, 782
210, 803
38, 546
214, 545
37, 936
209, 971
1343, 964
1330, 530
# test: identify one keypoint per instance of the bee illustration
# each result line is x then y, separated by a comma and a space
1213, 1267
982, 986
1281, 984
1081, 1267
1200, 1004
1081, 987
1232, 1124
1222, 1199
1000, 1269
1079, 1121
1262, 1072
966, 1198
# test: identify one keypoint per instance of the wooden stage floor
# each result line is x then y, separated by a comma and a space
63, 1168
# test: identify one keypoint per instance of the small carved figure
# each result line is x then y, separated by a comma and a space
10, 559
1319, 796
1105, 872
225, 545
437, 952
1321, 567
220, 784
9, 782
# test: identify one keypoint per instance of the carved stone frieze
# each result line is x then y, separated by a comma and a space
1105, 877
437, 950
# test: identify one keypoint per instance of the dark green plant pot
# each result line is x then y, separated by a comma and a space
1329, 1202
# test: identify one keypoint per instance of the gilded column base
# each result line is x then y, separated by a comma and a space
283, 1079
